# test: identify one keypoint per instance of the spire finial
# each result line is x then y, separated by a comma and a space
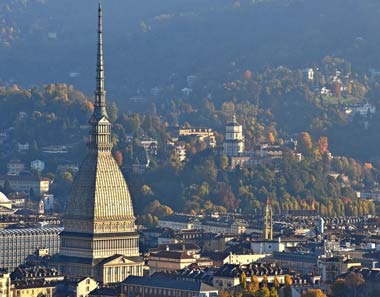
100, 93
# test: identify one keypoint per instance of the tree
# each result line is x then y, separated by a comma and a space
112, 111
32, 195
243, 280
158, 210
224, 294
314, 293
271, 138
338, 288
323, 145
304, 144
118, 157
7, 187
274, 292
353, 282
288, 280
276, 283
263, 292
337, 89
288, 286
228, 198
254, 284
265, 281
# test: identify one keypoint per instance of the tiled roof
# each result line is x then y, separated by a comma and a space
172, 255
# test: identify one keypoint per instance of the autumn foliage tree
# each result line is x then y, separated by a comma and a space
118, 157
271, 138
288, 286
314, 293
323, 145
254, 284
349, 286
243, 280
304, 144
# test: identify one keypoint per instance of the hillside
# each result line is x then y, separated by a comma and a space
153, 41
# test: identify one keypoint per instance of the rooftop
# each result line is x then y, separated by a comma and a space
168, 283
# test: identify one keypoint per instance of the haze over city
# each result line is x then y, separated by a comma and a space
189, 148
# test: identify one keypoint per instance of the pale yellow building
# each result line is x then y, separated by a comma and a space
34, 290
169, 261
5, 284
39, 185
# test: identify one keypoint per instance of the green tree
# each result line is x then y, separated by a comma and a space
7, 187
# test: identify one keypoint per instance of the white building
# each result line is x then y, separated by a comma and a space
186, 92
181, 152
177, 222
234, 141
267, 246
48, 200
15, 167
362, 109
37, 165
240, 259
309, 73
23, 147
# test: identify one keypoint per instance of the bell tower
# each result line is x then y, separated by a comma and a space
268, 221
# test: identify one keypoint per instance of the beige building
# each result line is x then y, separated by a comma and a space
39, 185
331, 268
206, 135
5, 284
34, 289
100, 238
76, 287
228, 275
169, 261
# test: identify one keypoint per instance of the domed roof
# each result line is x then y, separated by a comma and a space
100, 192
3, 198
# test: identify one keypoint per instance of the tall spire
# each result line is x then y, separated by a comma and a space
100, 93
100, 128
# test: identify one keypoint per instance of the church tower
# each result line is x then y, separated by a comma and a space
234, 140
268, 221
99, 237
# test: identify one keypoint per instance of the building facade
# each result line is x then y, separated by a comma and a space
99, 238
234, 140
5, 284
161, 287
17, 244
39, 185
